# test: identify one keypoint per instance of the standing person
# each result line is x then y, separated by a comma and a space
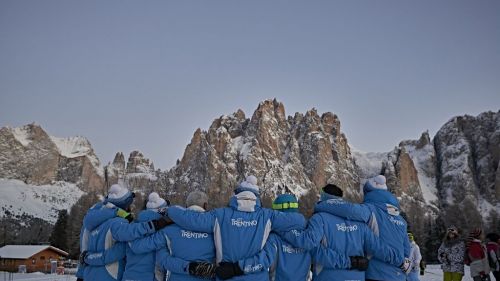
280, 256
476, 257
351, 238
493, 254
277, 255
380, 210
112, 254
240, 230
415, 258
141, 267
182, 254
451, 255
109, 232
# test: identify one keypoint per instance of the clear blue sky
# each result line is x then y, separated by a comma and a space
145, 74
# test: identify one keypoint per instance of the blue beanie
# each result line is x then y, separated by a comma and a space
286, 203
120, 196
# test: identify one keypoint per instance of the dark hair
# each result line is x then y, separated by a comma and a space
332, 189
457, 235
493, 237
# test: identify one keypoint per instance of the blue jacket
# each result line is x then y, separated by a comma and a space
240, 230
141, 266
281, 256
284, 261
347, 237
381, 211
111, 255
104, 236
176, 247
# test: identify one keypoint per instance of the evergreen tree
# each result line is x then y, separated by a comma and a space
59, 236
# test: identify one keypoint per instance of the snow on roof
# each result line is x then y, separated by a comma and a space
26, 251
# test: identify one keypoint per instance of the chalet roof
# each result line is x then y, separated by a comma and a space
26, 251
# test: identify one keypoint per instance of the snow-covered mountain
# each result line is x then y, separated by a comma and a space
453, 176
29, 154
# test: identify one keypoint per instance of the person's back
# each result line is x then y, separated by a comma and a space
346, 237
189, 246
240, 230
493, 254
141, 267
380, 210
415, 258
181, 254
111, 232
278, 255
476, 256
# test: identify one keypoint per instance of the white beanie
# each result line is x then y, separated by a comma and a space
379, 182
119, 196
249, 184
155, 201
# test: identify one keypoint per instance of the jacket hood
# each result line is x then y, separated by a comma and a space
381, 197
245, 201
99, 214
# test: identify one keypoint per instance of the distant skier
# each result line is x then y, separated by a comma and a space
415, 258
380, 209
451, 255
240, 230
106, 232
493, 254
182, 254
476, 257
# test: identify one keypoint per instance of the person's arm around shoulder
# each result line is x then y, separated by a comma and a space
167, 262
123, 231
281, 221
192, 220
342, 208
149, 243
308, 238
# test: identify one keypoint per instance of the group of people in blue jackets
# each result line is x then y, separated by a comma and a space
245, 241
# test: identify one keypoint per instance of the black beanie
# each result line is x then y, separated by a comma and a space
333, 190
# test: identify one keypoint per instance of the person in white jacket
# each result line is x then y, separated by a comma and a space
415, 258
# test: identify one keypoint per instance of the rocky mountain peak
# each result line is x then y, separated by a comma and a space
137, 163
119, 161
29, 154
299, 153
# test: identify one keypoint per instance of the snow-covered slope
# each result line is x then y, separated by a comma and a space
76, 147
42, 202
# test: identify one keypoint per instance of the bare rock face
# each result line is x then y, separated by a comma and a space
297, 154
138, 174
29, 154
467, 151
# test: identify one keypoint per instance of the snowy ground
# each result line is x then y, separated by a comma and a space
432, 273
7, 276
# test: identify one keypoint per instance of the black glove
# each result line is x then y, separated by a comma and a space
79, 279
227, 270
203, 270
359, 263
161, 223
82, 257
